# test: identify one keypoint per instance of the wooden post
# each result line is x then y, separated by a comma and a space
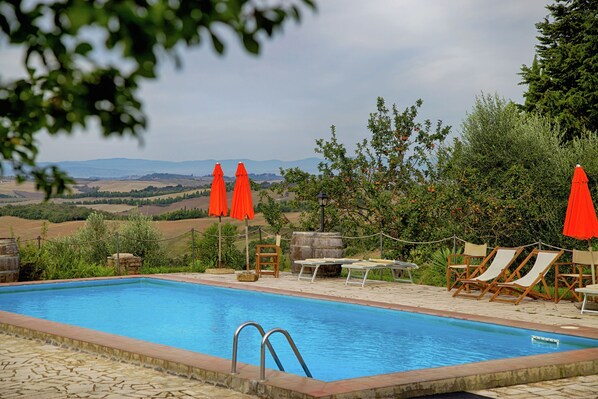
192, 246
117, 256
454, 243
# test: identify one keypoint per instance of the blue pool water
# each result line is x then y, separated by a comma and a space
337, 340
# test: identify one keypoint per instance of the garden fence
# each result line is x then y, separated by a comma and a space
386, 242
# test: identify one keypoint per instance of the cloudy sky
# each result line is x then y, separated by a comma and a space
327, 70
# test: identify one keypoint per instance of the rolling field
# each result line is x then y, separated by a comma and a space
29, 229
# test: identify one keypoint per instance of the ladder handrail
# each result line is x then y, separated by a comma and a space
236, 342
266, 341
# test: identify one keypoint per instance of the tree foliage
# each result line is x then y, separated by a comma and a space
85, 59
55, 213
504, 181
149, 191
273, 212
563, 78
137, 201
374, 189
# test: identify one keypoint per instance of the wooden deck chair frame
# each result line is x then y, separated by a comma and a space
485, 277
460, 269
524, 285
574, 274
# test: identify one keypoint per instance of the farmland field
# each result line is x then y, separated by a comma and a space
24, 229
27, 190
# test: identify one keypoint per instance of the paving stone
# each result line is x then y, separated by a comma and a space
94, 377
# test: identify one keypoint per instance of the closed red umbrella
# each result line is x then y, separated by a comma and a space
580, 220
218, 205
242, 205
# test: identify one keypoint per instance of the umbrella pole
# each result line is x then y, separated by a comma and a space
219, 241
247, 242
592, 261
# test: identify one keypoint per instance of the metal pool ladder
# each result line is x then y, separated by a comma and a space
266, 342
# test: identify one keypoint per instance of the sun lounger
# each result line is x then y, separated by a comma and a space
315, 264
591, 291
523, 286
398, 268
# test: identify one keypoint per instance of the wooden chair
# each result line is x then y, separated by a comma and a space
267, 259
574, 274
459, 265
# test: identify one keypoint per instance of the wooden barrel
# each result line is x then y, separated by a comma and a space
310, 244
9, 260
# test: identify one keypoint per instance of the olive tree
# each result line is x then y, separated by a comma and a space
508, 177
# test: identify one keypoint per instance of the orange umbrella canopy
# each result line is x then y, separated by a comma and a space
242, 206
580, 220
218, 205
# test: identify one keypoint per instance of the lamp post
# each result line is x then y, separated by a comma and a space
323, 200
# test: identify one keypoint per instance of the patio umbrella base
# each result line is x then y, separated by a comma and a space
222, 270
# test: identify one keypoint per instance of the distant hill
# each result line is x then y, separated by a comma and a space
123, 168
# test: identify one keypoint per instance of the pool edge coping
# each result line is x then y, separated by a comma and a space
216, 370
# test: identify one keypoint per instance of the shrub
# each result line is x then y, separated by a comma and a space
140, 238
95, 239
207, 247
60, 259
433, 272
192, 267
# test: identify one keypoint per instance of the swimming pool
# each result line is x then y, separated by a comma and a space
338, 340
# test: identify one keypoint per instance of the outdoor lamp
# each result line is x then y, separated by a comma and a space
323, 200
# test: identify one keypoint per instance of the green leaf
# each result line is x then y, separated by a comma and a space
4, 24
80, 14
83, 48
218, 45
251, 44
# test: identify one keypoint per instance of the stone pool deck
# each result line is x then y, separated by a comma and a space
31, 369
